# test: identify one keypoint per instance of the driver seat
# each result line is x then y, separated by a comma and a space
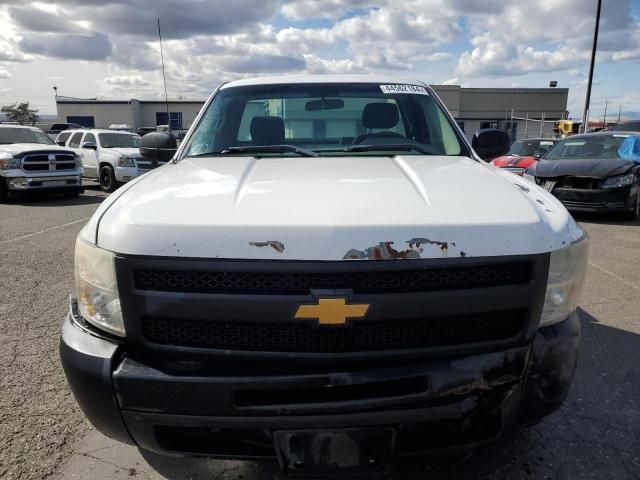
381, 115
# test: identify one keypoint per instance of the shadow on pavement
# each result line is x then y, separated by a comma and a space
595, 434
604, 218
51, 200
181, 468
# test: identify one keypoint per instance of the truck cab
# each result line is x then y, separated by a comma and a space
326, 274
112, 157
31, 162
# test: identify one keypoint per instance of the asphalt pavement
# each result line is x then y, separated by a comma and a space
596, 434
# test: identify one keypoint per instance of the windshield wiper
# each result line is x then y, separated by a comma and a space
389, 146
270, 149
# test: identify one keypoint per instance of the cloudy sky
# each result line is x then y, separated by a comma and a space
108, 48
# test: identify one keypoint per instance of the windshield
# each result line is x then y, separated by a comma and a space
23, 135
119, 140
598, 146
326, 119
530, 147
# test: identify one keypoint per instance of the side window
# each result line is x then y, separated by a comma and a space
89, 138
75, 140
62, 138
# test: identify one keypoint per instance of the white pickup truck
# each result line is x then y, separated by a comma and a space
31, 162
326, 273
109, 156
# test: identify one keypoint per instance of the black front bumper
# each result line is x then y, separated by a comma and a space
598, 200
432, 404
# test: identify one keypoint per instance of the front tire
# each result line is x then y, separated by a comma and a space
108, 182
635, 213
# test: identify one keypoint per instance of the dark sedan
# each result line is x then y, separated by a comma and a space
593, 172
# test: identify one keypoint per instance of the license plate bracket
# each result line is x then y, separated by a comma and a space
328, 452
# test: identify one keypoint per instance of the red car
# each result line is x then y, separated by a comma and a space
523, 154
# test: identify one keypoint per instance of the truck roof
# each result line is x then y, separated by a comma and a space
17, 125
288, 79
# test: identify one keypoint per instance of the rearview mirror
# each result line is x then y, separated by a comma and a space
490, 143
158, 146
90, 146
324, 104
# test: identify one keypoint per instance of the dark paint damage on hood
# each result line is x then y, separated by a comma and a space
591, 168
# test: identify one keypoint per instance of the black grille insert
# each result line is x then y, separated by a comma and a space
336, 393
356, 336
300, 283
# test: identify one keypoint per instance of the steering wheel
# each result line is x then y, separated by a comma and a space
366, 136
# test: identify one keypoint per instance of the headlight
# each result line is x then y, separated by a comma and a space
126, 162
78, 161
8, 162
615, 182
567, 270
96, 288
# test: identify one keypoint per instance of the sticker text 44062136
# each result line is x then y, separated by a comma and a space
399, 88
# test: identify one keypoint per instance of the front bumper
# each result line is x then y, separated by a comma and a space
597, 200
27, 182
124, 174
433, 404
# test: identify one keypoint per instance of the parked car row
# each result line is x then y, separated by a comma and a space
592, 172
31, 161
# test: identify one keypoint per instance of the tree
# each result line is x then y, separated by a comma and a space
20, 112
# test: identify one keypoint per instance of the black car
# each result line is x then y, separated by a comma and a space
633, 126
59, 127
592, 173
142, 131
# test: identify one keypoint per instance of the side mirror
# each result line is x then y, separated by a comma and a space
60, 143
90, 146
490, 143
537, 155
158, 146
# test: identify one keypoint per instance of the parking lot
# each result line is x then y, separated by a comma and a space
43, 434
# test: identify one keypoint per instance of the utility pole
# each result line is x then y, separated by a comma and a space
585, 116
619, 112
604, 121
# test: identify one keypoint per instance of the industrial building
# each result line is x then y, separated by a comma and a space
522, 112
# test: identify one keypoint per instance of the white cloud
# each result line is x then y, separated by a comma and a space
126, 80
4, 73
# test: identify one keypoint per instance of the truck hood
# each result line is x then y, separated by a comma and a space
331, 208
127, 152
18, 148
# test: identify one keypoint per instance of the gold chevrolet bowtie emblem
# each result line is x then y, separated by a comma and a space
332, 311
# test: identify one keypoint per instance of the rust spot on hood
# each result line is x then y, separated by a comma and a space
418, 242
382, 251
277, 246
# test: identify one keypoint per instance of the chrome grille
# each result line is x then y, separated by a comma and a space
44, 162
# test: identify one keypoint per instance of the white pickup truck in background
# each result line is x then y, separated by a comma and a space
30, 161
111, 157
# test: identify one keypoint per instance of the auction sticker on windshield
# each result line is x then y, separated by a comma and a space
415, 89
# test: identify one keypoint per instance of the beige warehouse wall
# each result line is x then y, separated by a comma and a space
104, 114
